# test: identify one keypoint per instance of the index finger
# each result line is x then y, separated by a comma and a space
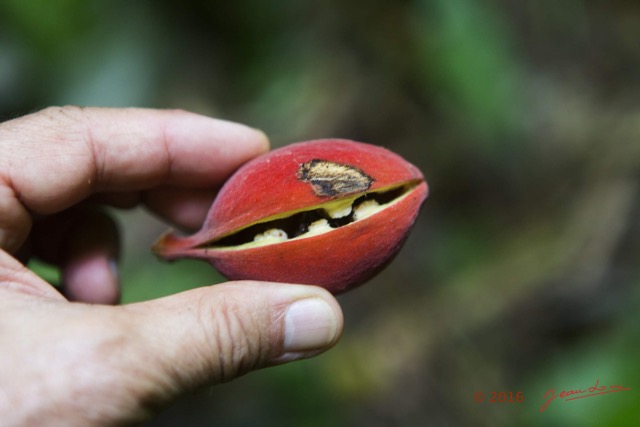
54, 158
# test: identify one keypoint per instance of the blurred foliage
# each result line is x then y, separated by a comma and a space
522, 271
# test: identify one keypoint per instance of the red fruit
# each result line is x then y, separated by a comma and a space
329, 212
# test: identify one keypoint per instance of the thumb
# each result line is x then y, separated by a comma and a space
215, 334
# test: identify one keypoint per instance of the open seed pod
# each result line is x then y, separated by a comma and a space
328, 212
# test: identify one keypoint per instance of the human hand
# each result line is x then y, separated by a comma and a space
77, 363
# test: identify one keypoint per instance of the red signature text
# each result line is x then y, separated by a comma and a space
567, 395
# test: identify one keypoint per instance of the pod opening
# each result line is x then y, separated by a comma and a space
326, 217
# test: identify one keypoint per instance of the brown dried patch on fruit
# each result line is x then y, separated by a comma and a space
330, 179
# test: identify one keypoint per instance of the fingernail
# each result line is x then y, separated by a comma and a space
310, 324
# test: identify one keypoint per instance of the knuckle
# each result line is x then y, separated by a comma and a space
236, 343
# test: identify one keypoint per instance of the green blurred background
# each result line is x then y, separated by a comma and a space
522, 271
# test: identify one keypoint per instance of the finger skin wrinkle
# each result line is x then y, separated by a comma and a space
166, 145
97, 165
228, 338
130, 149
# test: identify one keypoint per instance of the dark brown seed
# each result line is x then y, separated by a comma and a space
330, 179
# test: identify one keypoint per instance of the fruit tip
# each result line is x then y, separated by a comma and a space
166, 244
